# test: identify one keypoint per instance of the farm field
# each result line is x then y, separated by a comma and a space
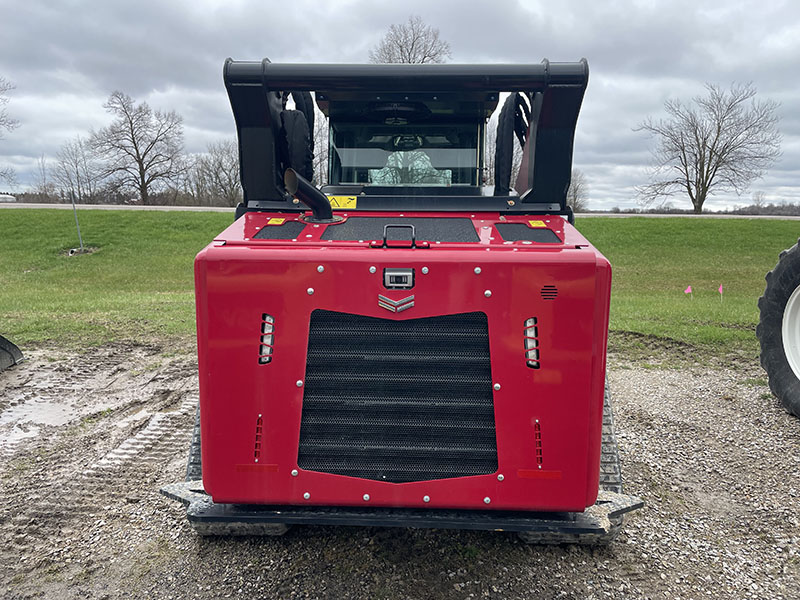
99, 417
138, 285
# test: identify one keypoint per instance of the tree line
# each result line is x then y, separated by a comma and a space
139, 158
719, 142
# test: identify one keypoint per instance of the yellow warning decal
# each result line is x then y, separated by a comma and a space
537, 224
343, 201
276, 221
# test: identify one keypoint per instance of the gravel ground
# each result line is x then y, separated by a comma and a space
87, 440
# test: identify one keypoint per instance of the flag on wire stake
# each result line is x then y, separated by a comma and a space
720, 292
688, 290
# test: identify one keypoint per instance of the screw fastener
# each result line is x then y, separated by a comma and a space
366, 497
426, 498
496, 387
488, 293
487, 500
299, 383
500, 477
477, 270
320, 269
310, 291
372, 269
306, 495
424, 270
294, 473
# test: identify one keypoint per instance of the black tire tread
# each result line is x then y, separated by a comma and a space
781, 283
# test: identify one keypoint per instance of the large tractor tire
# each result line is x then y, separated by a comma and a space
779, 329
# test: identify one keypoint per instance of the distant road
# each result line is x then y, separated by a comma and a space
231, 210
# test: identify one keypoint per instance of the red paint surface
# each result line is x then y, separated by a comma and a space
238, 281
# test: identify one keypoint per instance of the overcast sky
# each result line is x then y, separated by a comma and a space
66, 57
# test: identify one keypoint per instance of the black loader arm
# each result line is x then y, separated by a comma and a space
553, 90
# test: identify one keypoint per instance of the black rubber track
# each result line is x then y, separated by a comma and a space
194, 466
298, 139
511, 122
305, 104
782, 281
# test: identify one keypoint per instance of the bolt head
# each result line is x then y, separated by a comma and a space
424, 270
488, 293
294, 473
477, 270
487, 500
320, 269
306, 495
366, 497
372, 269
496, 387
310, 291
500, 477
426, 498
299, 383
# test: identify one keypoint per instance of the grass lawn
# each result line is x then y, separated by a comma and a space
139, 286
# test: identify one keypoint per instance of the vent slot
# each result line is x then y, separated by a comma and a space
531, 338
257, 446
537, 442
266, 339
549, 292
398, 400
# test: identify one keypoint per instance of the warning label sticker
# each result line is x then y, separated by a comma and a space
537, 224
343, 201
276, 221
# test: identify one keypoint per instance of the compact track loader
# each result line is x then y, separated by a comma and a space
404, 347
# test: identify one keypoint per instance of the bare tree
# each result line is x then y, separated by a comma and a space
411, 42
577, 192
214, 176
142, 147
321, 148
759, 199
721, 142
6, 123
77, 171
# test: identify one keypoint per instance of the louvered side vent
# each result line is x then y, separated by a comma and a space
537, 442
257, 446
267, 339
549, 292
398, 400
532, 343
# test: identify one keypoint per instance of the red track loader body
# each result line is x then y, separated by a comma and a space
405, 347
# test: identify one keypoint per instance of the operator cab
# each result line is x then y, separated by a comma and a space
404, 144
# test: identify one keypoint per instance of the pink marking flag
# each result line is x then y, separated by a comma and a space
688, 290
720, 292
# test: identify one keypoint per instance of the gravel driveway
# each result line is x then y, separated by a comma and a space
86, 441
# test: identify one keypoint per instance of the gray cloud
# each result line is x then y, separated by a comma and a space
66, 58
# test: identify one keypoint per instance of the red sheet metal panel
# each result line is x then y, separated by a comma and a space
547, 420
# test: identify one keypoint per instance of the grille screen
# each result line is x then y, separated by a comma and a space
398, 401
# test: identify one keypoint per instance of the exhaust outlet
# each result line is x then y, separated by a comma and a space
305, 191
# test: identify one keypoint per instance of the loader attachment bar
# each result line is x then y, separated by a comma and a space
555, 91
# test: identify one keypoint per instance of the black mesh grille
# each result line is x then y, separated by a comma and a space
514, 232
451, 229
398, 401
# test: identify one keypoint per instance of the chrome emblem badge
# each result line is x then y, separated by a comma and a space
395, 306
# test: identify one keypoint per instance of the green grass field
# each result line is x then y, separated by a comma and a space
138, 285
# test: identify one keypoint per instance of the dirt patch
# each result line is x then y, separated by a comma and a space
98, 433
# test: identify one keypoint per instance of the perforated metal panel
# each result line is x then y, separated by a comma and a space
407, 400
